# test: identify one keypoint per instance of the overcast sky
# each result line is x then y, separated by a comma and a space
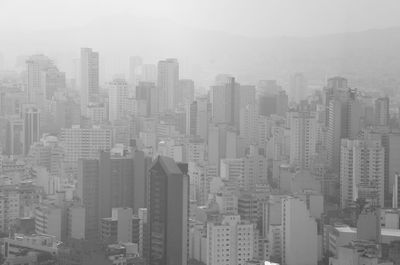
262, 18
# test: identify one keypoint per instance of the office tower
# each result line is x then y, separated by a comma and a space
197, 118
382, 111
122, 180
148, 92
391, 144
191, 118
168, 84
361, 172
344, 116
298, 87
135, 63
89, 78
185, 91
141, 165
396, 192
276, 103
168, 213
37, 64
224, 100
303, 138
298, 227
52, 81
88, 193
115, 182
14, 136
118, 104
282, 103
31, 117
230, 241
334, 89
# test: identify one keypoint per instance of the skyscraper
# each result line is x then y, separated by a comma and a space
185, 91
361, 172
89, 77
299, 233
344, 121
382, 111
36, 88
118, 103
148, 92
303, 138
168, 84
88, 193
168, 213
31, 116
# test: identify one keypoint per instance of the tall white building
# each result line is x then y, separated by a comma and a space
79, 143
299, 234
230, 241
247, 171
89, 77
118, 102
361, 171
303, 138
168, 84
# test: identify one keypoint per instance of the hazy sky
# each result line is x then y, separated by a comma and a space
246, 17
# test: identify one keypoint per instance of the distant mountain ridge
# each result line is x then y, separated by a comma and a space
369, 58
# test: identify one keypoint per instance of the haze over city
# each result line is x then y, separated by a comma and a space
214, 132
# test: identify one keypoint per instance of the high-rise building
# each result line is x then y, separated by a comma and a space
185, 91
168, 84
224, 99
89, 77
84, 143
168, 213
118, 103
31, 116
230, 241
396, 192
361, 172
52, 81
36, 65
298, 227
14, 136
382, 111
298, 87
191, 118
88, 193
303, 138
344, 121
